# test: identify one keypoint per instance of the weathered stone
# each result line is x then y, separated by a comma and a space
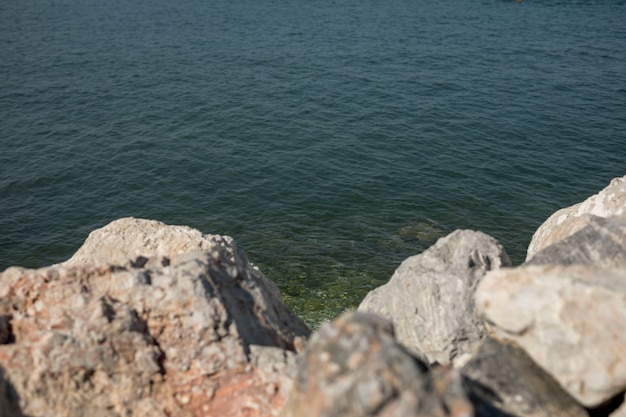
155, 337
601, 242
503, 380
611, 201
355, 367
570, 320
129, 238
430, 297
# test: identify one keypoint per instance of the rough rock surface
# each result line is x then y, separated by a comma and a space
430, 297
503, 380
611, 201
198, 334
601, 242
570, 320
127, 238
354, 367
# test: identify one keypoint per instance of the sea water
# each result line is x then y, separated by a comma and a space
331, 138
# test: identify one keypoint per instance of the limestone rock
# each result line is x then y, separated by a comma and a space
503, 380
128, 238
354, 367
611, 201
570, 320
430, 297
600, 242
156, 337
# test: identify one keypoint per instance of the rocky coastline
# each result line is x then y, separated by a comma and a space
148, 319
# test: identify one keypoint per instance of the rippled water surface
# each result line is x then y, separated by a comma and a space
331, 138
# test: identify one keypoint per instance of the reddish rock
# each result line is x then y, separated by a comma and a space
198, 334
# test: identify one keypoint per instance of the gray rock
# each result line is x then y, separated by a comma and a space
430, 297
503, 380
570, 320
155, 337
601, 242
611, 201
354, 367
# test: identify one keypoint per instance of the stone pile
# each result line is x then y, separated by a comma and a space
154, 320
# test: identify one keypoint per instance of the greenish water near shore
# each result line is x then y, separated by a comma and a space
332, 139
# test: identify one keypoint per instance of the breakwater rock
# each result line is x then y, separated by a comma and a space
148, 319
609, 202
192, 335
433, 294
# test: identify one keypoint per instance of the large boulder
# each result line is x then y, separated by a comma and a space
430, 297
192, 335
611, 201
127, 238
571, 320
504, 381
355, 368
600, 242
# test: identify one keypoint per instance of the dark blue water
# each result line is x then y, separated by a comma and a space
332, 139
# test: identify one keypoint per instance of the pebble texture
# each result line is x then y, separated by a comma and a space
611, 201
355, 368
184, 336
570, 320
430, 297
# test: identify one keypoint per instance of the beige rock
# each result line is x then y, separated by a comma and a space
430, 297
570, 320
193, 335
611, 201
127, 238
600, 242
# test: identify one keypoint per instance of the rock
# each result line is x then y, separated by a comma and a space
430, 297
609, 202
198, 334
570, 320
503, 380
601, 242
128, 238
354, 367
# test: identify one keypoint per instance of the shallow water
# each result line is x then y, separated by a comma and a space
332, 139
